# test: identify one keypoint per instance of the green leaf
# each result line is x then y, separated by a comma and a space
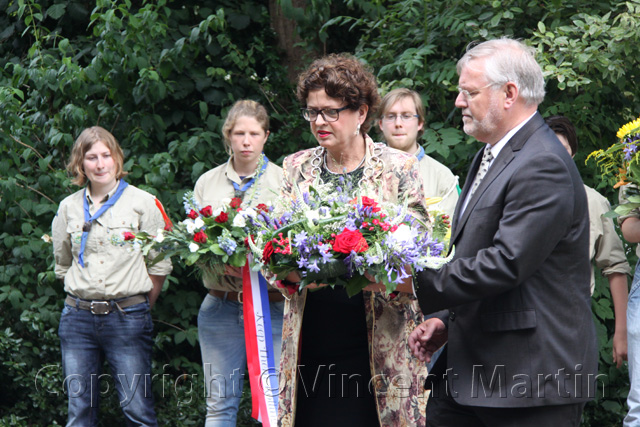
215, 248
26, 228
541, 27
238, 259
356, 284
56, 11
179, 337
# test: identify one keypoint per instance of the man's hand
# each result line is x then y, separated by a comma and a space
427, 338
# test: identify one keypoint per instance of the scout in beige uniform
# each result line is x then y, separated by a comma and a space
605, 247
402, 122
251, 176
109, 289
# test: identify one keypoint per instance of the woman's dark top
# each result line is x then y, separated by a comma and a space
334, 372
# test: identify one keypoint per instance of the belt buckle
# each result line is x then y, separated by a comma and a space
240, 297
100, 307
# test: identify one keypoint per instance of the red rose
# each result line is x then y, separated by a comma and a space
262, 207
223, 217
368, 202
267, 252
235, 202
193, 214
200, 237
348, 241
128, 235
207, 211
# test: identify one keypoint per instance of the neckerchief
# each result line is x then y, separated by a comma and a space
88, 219
239, 191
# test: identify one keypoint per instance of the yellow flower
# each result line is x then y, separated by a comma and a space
631, 127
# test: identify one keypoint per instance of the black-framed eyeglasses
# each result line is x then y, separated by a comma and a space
405, 117
328, 114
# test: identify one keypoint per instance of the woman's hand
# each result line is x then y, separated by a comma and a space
233, 271
405, 286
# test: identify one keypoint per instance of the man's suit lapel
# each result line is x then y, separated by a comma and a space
507, 154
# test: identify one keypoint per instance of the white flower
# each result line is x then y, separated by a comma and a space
225, 201
238, 221
46, 238
227, 77
199, 223
254, 76
193, 246
311, 215
160, 237
190, 224
217, 211
403, 234
249, 212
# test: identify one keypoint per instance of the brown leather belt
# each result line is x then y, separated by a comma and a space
237, 296
104, 306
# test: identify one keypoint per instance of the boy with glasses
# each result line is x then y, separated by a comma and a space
402, 123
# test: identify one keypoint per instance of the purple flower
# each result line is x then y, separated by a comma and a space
629, 150
325, 252
300, 240
313, 267
303, 262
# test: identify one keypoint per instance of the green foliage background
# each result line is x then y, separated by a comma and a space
160, 75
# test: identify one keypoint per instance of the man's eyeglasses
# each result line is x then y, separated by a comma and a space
328, 114
405, 117
470, 94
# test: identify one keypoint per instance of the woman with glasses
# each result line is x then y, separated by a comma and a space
402, 123
346, 361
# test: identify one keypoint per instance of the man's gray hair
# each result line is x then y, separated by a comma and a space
509, 60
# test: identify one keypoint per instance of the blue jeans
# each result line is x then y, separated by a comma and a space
221, 334
633, 342
124, 340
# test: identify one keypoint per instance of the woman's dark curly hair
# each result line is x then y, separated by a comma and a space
343, 77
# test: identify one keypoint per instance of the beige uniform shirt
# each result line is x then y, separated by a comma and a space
439, 181
113, 269
622, 198
215, 185
606, 249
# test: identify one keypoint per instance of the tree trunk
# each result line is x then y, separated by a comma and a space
285, 28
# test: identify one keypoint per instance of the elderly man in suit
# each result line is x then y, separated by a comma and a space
513, 305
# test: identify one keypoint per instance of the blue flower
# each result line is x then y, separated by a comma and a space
313, 267
227, 244
629, 150
303, 262
300, 240
325, 252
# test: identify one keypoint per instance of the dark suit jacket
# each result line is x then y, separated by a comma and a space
517, 291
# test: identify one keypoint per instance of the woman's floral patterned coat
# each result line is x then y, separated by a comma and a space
398, 376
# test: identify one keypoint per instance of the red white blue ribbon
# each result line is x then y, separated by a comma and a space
263, 373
